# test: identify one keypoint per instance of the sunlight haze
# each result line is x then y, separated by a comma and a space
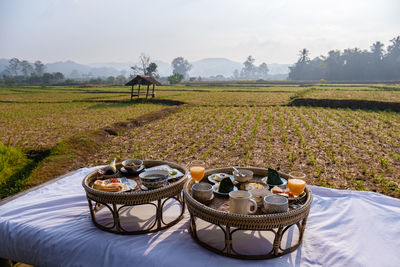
88, 31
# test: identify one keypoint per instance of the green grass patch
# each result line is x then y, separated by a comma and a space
12, 161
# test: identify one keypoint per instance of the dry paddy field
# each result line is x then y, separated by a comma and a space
224, 125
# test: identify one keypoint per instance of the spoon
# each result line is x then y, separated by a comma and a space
238, 172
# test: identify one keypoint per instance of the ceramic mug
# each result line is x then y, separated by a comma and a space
202, 192
276, 204
240, 202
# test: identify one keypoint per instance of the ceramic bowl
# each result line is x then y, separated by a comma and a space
248, 175
154, 179
137, 163
276, 204
107, 172
202, 192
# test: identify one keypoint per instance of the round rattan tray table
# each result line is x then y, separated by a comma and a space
275, 224
117, 206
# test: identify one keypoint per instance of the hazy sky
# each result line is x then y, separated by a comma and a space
88, 31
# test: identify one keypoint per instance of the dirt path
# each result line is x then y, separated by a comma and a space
77, 151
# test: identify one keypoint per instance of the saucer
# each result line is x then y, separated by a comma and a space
215, 190
283, 185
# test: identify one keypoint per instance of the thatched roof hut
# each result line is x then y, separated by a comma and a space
142, 80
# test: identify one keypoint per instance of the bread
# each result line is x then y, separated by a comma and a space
107, 187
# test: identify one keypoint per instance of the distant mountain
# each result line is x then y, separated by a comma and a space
164, 69
214, 66
205, 68
275, 68
70, 68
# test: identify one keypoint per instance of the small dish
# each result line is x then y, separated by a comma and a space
108, 176
248, 175
154, 179
283, 185
132, 164
129, 172
216, 187
217, 177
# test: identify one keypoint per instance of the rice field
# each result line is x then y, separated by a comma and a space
338, 148
245, 125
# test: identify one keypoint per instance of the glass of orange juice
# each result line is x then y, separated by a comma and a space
296, 183
197, 169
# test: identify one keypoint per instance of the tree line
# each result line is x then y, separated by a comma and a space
353, 64
250, 71
180, 69
23, 72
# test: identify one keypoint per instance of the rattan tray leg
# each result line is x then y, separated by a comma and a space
114, 209
228, 239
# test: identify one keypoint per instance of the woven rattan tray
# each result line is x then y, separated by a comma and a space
230, 223
115, 202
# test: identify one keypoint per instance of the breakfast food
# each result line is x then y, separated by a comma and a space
277, 190
273, 177
225, 186
251, 186
282, 192
107, 187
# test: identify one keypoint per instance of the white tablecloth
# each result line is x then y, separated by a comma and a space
51, 226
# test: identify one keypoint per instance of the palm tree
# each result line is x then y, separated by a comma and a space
304, 56
377, 50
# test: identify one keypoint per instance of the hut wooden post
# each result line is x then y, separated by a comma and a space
140, 80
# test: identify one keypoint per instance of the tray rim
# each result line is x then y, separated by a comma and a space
138, 197
245, 221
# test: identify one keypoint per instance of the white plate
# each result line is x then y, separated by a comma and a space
127, 183
215, 190
283, 185
211, 177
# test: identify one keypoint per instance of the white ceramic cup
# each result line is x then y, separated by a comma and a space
240, 202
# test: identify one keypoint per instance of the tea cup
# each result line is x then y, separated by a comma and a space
240, 202
202, 192
276, 204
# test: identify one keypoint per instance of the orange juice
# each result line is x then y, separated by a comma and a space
197, 172
296, 186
